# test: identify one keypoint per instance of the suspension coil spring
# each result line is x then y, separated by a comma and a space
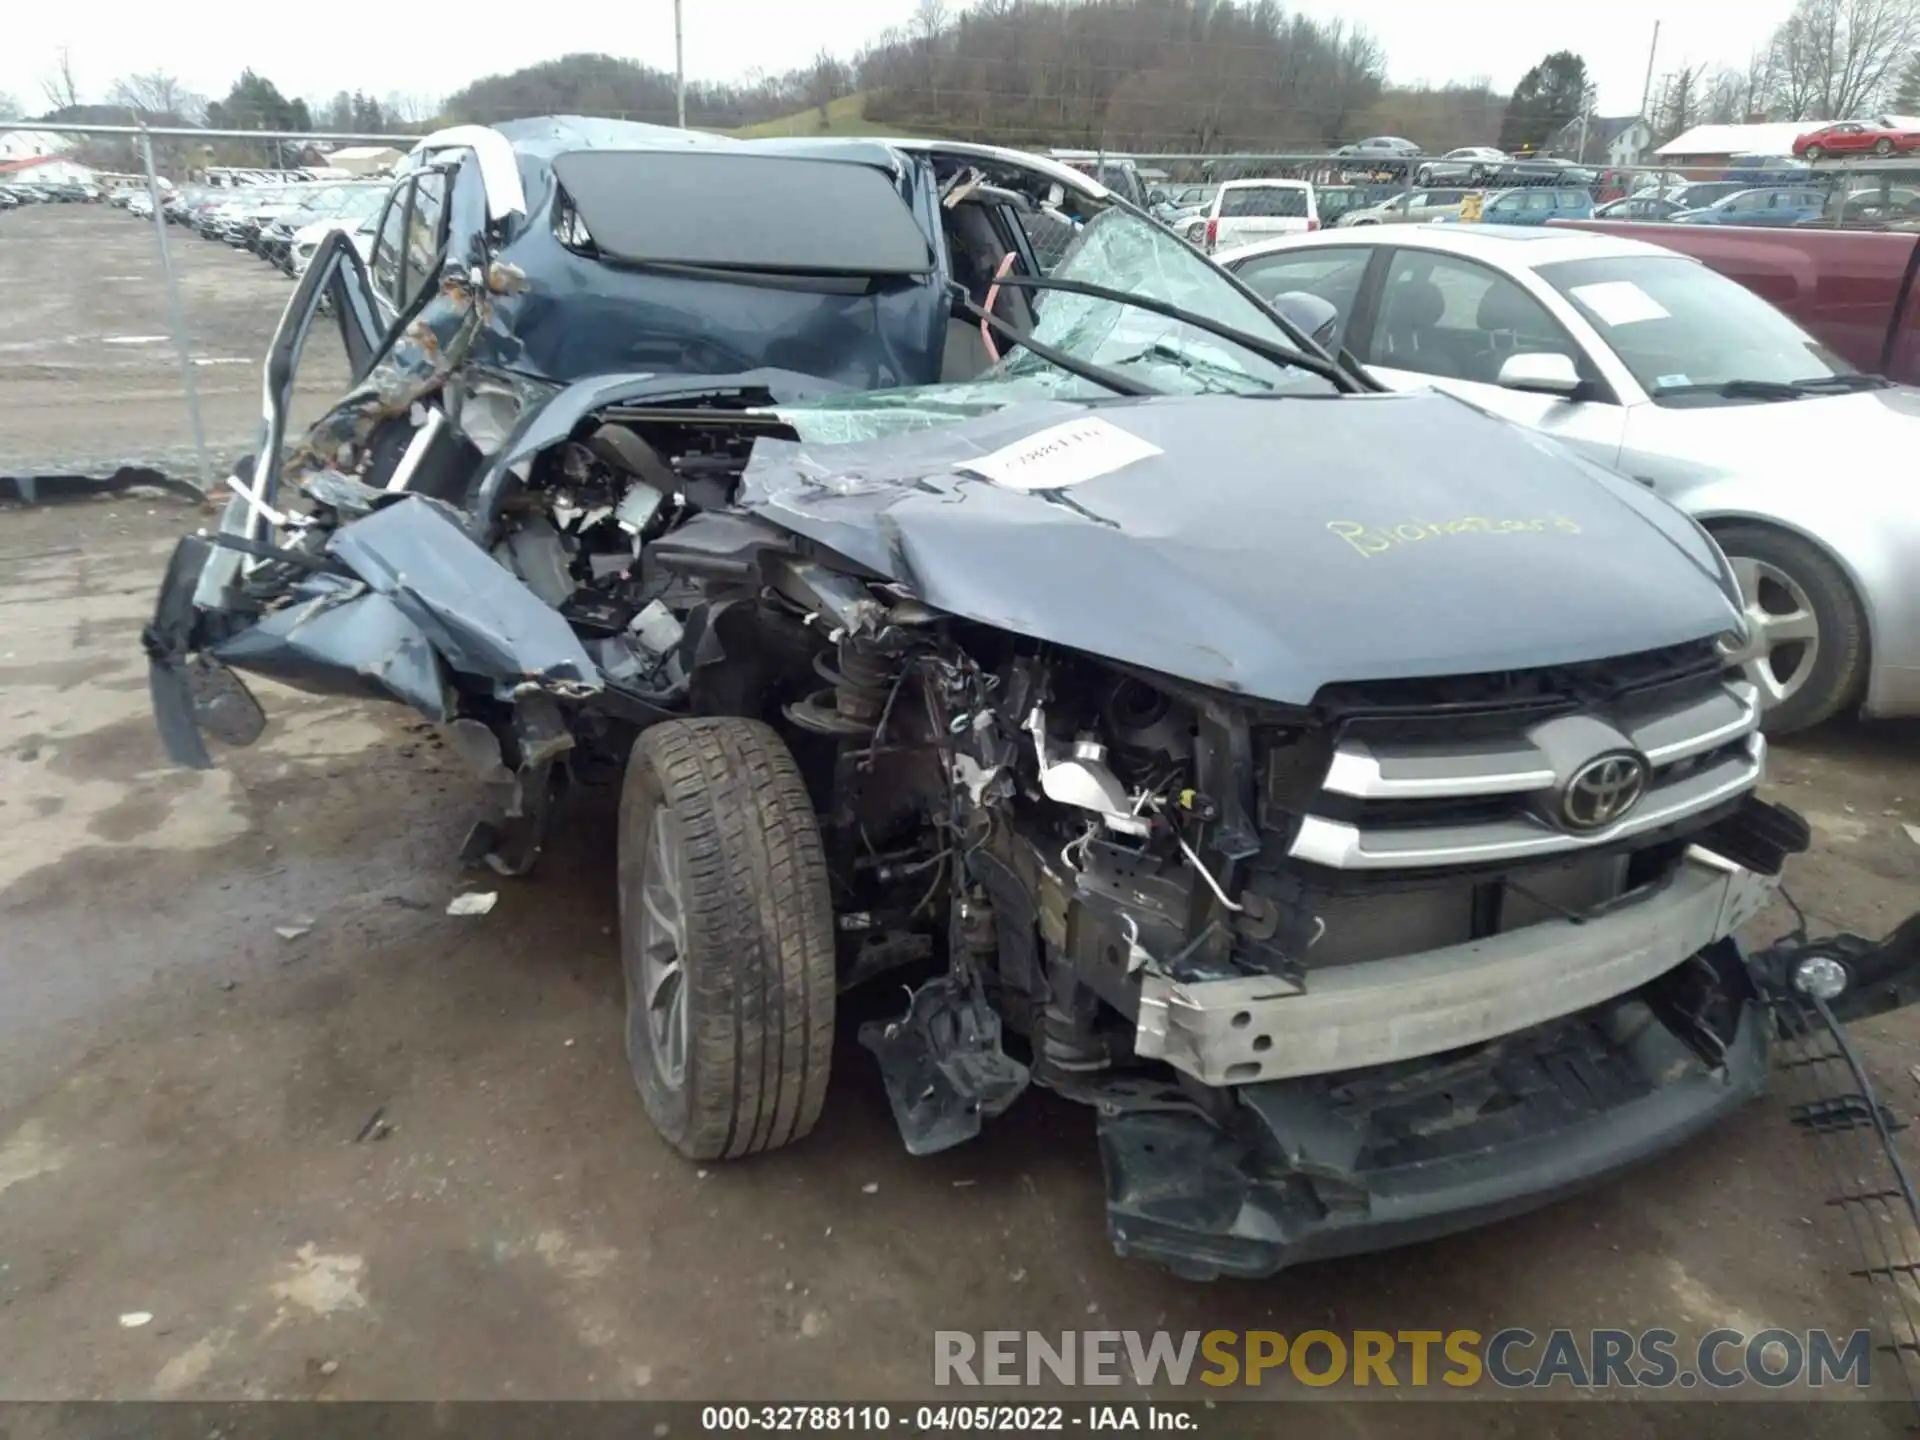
858, 682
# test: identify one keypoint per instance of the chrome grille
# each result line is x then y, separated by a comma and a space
1389, 803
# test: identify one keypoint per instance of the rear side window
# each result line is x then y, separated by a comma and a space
1264, 202
797, 215
425, 234
387, 244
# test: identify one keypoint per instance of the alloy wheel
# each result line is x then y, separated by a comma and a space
656, 976
1783, 639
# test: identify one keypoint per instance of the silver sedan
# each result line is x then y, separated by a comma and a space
1669, 373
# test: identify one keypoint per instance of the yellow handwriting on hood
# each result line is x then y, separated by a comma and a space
1379, 539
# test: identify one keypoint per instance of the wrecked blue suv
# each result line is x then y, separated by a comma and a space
976, 587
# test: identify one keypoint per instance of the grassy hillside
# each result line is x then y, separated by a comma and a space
845, 116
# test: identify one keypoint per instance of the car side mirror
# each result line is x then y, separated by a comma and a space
1540, 374
1312, 316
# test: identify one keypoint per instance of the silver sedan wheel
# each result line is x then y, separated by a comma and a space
657, 977
1784, 636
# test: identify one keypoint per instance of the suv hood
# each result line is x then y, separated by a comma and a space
1262, 546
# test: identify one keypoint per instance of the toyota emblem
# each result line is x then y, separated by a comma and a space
1602, 791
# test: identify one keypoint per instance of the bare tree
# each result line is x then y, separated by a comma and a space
156, 93
828, 79
61, 86
1838, 59
1906, 96
1723, 98
1757, 84
1793, 84
929, 21
1680, 101
1354, 81
9, 107
410, 109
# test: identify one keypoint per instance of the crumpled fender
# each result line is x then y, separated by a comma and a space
476, 616
414, 604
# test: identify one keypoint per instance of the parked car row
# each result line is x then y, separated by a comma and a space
1286, 750
1307, 206
281, 223
15, 193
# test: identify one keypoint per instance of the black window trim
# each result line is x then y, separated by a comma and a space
441, 225
401, 196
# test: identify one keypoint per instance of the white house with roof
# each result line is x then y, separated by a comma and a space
45, 170
365, 159
32, 144
1608, 140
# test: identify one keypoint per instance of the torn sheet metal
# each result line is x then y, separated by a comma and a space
555, 417
478, 618
1174, 561
336, 637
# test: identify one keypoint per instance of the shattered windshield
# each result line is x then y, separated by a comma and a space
1120, 251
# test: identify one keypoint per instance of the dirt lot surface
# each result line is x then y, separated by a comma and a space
89, 376
191, 1104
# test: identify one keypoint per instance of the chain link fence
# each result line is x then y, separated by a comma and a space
129, 345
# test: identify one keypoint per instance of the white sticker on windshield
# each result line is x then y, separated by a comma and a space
1619, 302
1062, 455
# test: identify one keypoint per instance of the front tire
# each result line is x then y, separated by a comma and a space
1808, 648
1814, 152
726, 938
1883, 146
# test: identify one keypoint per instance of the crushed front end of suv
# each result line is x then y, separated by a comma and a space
977, 590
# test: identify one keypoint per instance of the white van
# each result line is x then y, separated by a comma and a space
1248, 210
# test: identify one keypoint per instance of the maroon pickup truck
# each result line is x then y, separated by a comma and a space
1854, 290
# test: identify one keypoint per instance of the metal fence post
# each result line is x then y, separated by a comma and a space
176, 320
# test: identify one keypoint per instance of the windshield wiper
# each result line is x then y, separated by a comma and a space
1072, 364
1841, 384
1738, 390
1328, 370
1781, 389
1201, 370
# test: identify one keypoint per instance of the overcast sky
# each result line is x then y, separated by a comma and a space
431, 51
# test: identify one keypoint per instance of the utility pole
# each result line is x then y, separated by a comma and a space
1646, 90
679, 69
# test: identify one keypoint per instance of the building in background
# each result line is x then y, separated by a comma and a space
32, 144
1708, 145
45, 170
364, 159
1609, 140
